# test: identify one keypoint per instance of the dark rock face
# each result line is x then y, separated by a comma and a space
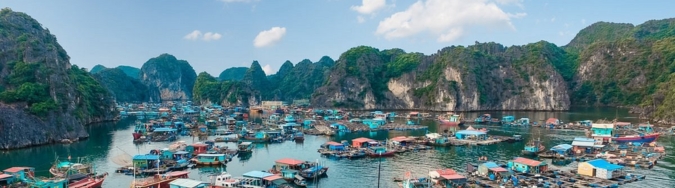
168, 78
43, 98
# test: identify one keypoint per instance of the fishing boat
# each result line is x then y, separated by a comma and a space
158, 180
450, 119
300, 181
299, 137
640, 138
245, 147
534, 147
210, 159
380, 152
313, 170
89, 182
66, 168
485, 118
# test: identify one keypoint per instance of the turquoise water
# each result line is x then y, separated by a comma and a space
113, 139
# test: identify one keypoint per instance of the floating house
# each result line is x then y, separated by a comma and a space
508, 119
523, 121
600, 168
602, 133
584, 145
375, 122
363, 142
259, 178
16, 174
402, 140
198, 148
287, 167
492, 170
562, 149
553, 122
355, 120
447, 178
211, 159
525, 165
146, 161
334, 146
471, 134
187, 183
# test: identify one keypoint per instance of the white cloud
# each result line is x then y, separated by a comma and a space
360, 19
209, 36
269, 37
194, 35
445, 19
268, 69
518, 3
369, 6
238, 1
583, 21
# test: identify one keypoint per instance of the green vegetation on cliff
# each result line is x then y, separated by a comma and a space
233, 74
130, 71
96, 69
207, 88
123, 87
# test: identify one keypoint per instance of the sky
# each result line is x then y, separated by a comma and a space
213, 35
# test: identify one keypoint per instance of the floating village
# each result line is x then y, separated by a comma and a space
604, 154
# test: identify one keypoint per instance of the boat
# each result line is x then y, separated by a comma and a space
450, 119
300, 181
640, 138
299, 137
289, 118
210, 159
313, 170
65, 168
89, 182
158, 180
245, 147
534, 147
380, 152
231, 121
485, 118
224, 179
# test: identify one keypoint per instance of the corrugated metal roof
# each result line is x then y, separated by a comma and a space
601, 163
582, 143
603, 126
526, 161
562, 147
185, 183
257, 174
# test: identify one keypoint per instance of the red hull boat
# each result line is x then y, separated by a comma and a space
638, 138
89, 182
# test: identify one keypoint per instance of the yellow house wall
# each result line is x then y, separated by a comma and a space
585, 169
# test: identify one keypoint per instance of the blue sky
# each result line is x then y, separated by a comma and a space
217, 34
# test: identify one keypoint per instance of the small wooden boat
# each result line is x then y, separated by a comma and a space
210, 159
65, 168
300, 181
380, 152
299, 137
534, 147
245, 147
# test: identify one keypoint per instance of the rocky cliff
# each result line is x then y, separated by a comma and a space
484, 76
43, 98
168, 78
123, 87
